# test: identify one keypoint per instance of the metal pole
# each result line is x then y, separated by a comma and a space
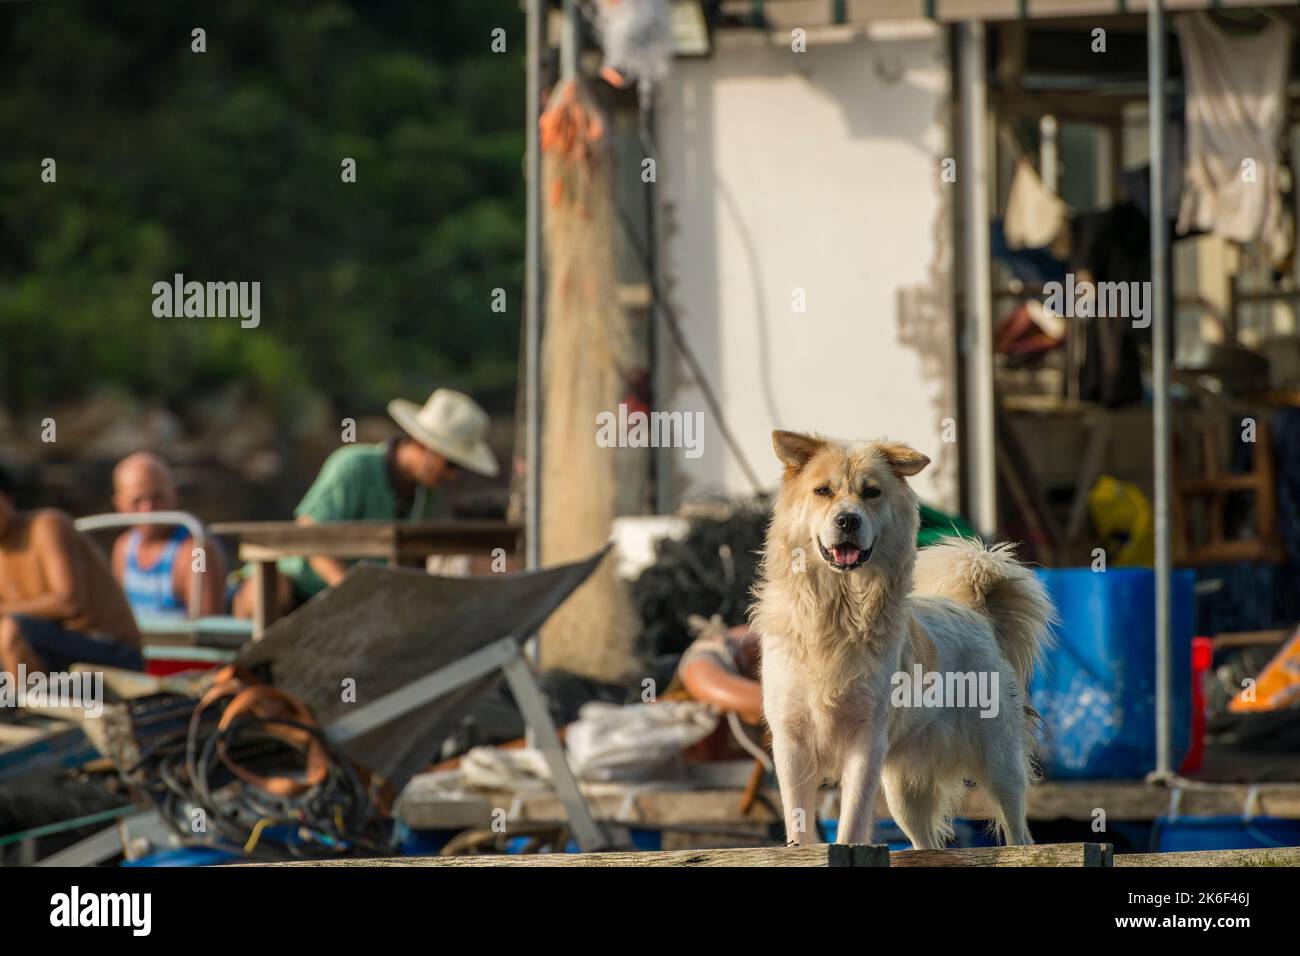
569, 40
978, 321
1049, 153
533, 294
1160, 375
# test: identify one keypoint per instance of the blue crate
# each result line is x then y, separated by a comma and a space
1172, 835
1096, 690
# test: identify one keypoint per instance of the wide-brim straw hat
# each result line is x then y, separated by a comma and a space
452, 424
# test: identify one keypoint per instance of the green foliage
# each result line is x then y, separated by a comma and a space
225, 166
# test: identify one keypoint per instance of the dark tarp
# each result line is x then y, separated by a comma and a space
384, 628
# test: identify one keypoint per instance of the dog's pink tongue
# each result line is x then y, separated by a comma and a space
845, 555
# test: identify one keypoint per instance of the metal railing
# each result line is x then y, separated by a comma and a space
176, 518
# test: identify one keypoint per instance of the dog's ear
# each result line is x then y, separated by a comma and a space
795, 449
904, 460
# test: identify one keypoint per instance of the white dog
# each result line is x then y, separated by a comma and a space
868, 681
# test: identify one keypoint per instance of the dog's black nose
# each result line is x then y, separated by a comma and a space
847, 522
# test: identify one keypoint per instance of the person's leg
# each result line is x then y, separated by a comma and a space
244, 601
14, 649
47, 646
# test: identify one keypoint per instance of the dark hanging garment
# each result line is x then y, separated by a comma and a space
1113, 245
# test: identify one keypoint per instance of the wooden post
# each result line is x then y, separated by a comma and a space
266, 607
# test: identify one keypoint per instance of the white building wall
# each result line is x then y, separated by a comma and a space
817, 171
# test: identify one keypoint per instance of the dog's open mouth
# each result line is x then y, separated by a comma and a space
844, 556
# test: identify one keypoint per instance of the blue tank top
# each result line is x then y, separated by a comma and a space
150, 591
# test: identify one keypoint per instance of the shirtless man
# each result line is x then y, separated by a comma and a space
59, 604
154, 563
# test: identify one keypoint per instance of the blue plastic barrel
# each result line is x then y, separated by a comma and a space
1096, 690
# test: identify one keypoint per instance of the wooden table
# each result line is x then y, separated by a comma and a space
263, 543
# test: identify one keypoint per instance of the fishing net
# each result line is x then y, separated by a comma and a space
709, 570
586, 348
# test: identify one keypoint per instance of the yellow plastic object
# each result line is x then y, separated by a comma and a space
1122, 516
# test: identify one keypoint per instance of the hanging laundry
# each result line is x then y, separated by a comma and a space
1030, 266
1029, 330
1036, 217
1236, 109
1136, 182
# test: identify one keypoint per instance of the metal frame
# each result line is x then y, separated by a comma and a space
1160, 318
533, 293
504, 655
182, 518
110, 841
977, 336
977, 331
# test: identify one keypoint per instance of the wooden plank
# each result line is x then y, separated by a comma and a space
265, 606
1134, 800
329, 548
817, 855
416, 540
1121, 800
423, 809
1225, 552
1272, 856
1043, 854
1217, 484
1250, 638
214, 633
273, 533
409, 540
18, 735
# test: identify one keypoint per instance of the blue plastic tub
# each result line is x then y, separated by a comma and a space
1096, 690
965, 833
1223, 833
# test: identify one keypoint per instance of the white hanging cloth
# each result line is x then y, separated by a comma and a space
1236, 109
1035, 216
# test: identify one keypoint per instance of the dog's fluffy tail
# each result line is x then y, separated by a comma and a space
993, 582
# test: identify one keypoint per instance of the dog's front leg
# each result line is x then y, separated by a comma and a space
798, 782
859, 784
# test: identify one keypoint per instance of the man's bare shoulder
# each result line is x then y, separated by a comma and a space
51, 520
120, 545
43, 529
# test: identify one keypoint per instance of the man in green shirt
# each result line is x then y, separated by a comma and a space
394, 481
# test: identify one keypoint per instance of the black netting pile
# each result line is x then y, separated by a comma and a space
709, 571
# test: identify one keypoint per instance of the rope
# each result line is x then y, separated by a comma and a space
742, 738
63, 826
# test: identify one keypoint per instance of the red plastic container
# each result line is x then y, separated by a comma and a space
1202, 661
162, 667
